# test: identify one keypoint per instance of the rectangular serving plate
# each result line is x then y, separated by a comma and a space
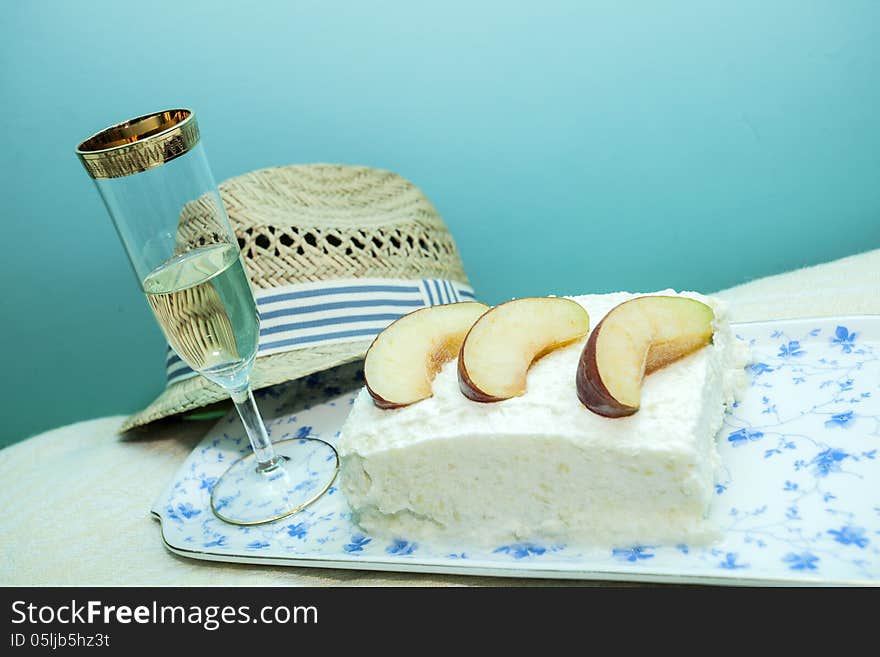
798, 502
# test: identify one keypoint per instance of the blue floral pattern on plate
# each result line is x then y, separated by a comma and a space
797, 501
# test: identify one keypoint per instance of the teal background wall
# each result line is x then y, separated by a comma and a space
570, 146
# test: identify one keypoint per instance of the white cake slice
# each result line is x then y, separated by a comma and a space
541, 466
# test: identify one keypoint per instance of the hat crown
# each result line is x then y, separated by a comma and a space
299, 224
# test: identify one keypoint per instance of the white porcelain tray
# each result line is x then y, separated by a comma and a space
799, 503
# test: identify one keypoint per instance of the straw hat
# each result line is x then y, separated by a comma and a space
320, 244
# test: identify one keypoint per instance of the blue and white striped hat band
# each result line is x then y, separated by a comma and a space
333, 312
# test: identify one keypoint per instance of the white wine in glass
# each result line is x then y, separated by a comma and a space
155, 181
206, 309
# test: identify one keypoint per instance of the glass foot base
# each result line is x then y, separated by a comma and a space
245, 496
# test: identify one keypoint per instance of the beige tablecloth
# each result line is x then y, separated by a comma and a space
75, 501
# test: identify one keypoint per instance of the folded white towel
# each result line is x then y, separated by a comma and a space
850, 286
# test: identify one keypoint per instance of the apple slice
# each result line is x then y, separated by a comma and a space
404, 358
634, 339
503, 343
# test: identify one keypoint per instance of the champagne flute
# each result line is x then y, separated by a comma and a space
155, 181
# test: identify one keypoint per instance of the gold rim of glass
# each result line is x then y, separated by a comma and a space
139, 144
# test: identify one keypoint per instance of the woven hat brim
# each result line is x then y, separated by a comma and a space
197, 392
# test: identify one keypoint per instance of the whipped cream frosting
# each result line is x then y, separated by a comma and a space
542, 466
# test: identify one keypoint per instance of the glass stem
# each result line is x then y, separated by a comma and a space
256, 430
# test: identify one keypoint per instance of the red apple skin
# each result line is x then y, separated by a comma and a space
381, 402
590, 389
469, 389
